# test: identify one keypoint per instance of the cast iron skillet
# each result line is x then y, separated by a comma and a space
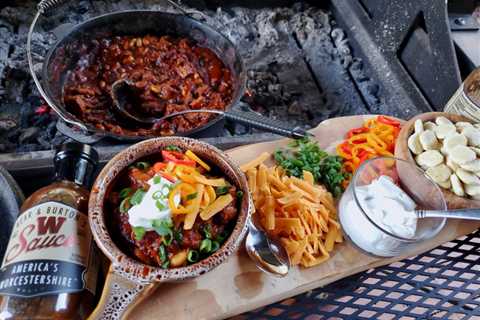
63, 56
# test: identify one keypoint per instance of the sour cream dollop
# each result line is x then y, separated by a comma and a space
389, 207
154, 204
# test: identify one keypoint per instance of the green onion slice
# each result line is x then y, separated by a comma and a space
142, 165
125, 192
124, 205
167, 239
173, 148
157, 195
162, 253
137, 197
139, 232
192, 196
166, 264
215, 246
192, 256
206, 245
157, 179
221, 190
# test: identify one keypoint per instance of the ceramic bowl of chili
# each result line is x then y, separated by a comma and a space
129, 277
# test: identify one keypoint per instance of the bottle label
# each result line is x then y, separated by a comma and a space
49, 252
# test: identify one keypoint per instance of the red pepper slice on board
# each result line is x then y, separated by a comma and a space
388, 121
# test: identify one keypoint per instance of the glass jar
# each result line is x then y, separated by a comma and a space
364, 229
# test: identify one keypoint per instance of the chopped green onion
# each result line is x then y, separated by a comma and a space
160, 206
125, 192
173, 148
157, 179
192, 256
221, 190
168, 238
139, 233
142, 165
166, 264
137, 197
240, 194
157, 195
162, 226
162, 253
192, 196
178, 235
207, 230
206, 245
124, 205
215, 246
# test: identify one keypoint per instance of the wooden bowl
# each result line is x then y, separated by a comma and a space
402, 152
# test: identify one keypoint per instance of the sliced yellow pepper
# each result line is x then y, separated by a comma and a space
195, 158
194, 207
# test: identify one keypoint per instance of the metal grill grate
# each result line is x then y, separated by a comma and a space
443, 283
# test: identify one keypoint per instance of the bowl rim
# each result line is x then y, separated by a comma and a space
421, 173
132, 269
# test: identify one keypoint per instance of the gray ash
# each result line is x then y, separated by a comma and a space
301, 69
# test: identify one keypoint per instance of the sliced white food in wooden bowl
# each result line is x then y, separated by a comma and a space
418, 126
472, 189
444, 130
442, 120
462, 154
440, 173
454, 140
429, 140
429, 159
457, 186
473, 165
467, 177
414, 144
462, 125
473, 136
451, 164
429, 125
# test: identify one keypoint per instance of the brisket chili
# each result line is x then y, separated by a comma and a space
149, 249
169, 75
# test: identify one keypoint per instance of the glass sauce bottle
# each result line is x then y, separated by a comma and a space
50, 267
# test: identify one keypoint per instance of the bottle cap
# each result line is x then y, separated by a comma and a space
76, 162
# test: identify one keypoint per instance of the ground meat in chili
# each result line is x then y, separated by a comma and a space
169, 74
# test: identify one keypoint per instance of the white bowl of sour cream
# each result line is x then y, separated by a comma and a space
377, 209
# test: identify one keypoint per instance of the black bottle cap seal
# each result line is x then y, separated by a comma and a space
76, 162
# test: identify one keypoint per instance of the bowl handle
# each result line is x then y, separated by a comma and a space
119, 297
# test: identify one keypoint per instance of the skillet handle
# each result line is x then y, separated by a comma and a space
119, 297
255, 120
42, 7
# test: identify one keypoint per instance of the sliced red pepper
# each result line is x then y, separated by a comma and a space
345, 146
388, 121
177, 157
167, 176
363, 155
355, 131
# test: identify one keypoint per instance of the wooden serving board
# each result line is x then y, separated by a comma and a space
238, 286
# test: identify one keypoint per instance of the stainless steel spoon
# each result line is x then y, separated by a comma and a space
267, 253
123, 96
468, 214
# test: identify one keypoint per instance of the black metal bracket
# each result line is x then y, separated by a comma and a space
406, 44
